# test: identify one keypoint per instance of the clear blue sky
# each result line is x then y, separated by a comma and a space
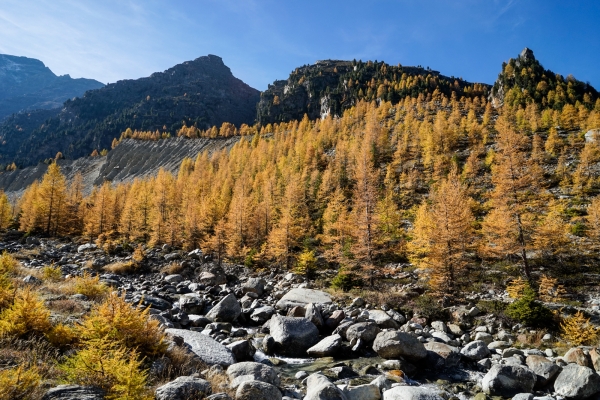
263, 40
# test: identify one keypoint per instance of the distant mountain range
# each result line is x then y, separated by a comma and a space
202, 92
27, 84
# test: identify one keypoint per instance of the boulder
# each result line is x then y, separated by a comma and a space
394, 344
577, 382
544, 369
577, 356
74, 392
362, 392
441, 355
293, 336
595, 359
212, 278
326, 347
366, 331
86, 247
475, 350
152, 301
313, 314
334, 320
254, 285
174, 278
226, 310
243, 350
257, 390
183, 388
382, 319
318, 387
262, 314
251, 371
302, 297
508, 380
206, 348
411, 393
191, 303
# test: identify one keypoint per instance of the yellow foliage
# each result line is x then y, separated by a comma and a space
61, 335
89, 286
26, 316
578, 330
550, 290
516, 288
114, 368
51, 273
138, 254
7, 292
19, 383
131, 327
121, 267
306, 262
8, 264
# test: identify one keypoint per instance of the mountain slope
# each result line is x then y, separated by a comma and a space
27, 84
330, 87
201, 92
524, 80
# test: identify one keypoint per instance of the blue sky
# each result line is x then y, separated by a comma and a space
263, 40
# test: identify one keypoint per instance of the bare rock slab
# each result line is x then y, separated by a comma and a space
206, 348
302, 297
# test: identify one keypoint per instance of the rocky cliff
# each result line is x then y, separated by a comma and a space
331, 86
202, 92
130, 159
27, 84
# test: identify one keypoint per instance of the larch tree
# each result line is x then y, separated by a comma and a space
593, 223
50, 200
99, 218
443, 236
507, 229
364, 213
5, 211
336, 236
292, 224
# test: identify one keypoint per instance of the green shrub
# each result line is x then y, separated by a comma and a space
430, 307
343, 280
529, 311
52, 273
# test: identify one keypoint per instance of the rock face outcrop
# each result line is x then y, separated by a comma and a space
202, 92
130, 159
27, 84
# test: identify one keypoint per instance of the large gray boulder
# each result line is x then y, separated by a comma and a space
226, 310
206, 348
475, 351
257, 390
254, 285
367, 331
191, 303
508, 380
318, 387
243, 350
362, 392
441, 355
302, 297
262, 314
251, 371
544, 369
74, 392
411, 393
293, 336
393, 344
382, 319
326, 347
577, 382
183, 388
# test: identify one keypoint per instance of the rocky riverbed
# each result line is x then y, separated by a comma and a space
278, 335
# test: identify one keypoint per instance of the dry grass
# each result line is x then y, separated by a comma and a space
66, 306
36, 351
181, 363
121, 267
172, 268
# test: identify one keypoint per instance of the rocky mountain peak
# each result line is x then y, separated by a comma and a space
527, 54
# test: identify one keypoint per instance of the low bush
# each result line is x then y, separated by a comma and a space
529, 311
117, 320
26, 316
52, 273
89, 286
111, 367
8, 264
344, 281
578, 330
7, 292
19, 383
122, 267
